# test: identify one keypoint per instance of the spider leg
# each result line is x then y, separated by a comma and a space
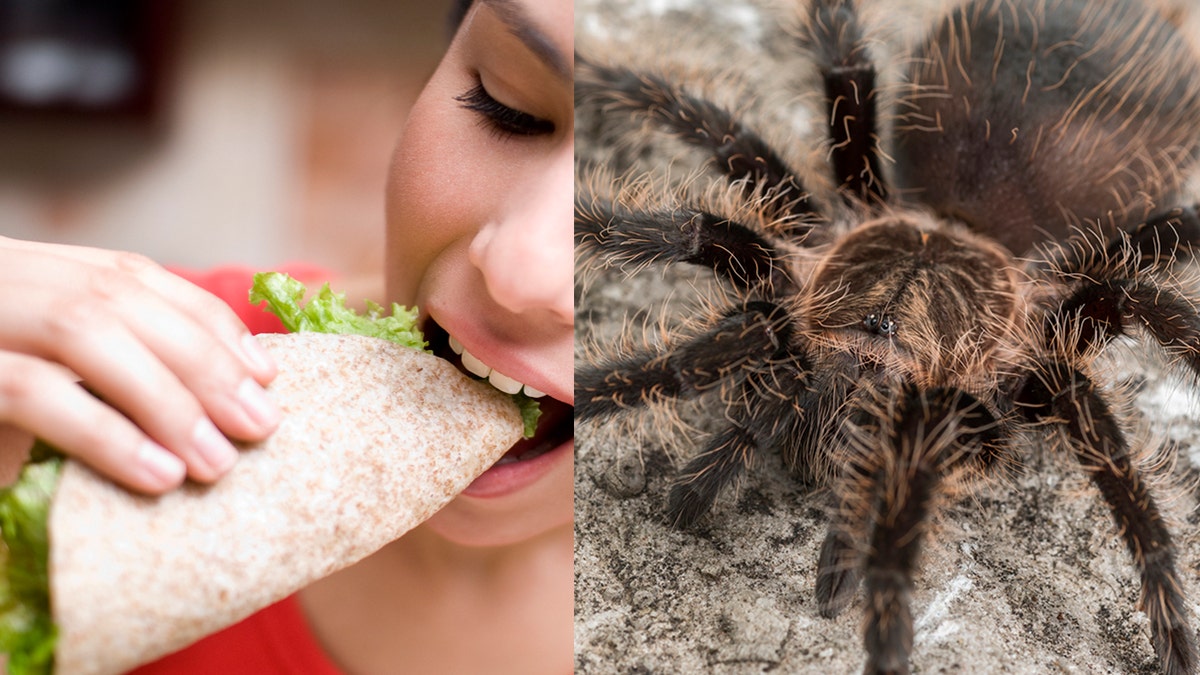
1151, 245
739, 153
721, 463
779, 390
625, 236
1159, 240
834, 34
838, 572
1058, 392
1125, 283
1096, 313
743, 337
749, 344
922, 441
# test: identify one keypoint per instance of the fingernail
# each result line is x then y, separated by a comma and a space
165, 468
214, 448
260, 359
261, 409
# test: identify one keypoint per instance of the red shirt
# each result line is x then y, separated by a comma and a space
276, 640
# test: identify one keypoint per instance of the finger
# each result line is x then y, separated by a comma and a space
58, 324
227, 391
45, 401
202, 307
128, 376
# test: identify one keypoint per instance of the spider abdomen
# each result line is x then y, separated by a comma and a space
1026, 117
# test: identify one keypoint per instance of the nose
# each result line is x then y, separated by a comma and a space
526, 254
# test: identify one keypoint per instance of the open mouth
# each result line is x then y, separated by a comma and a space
557, 422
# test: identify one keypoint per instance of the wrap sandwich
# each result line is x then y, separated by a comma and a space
375, 438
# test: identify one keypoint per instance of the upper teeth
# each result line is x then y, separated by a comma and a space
498, 380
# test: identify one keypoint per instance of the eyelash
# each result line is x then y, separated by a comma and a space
502, 119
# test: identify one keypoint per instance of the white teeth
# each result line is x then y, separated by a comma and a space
504, 383
474, 365
499, 380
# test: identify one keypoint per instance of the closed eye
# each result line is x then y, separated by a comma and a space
502, 119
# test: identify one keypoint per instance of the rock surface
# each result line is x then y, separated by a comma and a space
1026, 576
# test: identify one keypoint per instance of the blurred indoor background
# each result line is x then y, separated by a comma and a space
205, 132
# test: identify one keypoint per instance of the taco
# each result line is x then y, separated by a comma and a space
375, 438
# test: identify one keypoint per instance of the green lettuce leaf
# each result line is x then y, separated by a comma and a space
530, 412
326, 312
27, 631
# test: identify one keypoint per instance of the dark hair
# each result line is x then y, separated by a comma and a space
457, 12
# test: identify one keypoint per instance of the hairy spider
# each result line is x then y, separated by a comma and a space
1003, 213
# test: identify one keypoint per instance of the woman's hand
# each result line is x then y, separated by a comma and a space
171, 366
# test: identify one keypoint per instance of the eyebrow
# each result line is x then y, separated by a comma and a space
513, 15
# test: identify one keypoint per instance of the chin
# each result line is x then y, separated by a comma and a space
491, 518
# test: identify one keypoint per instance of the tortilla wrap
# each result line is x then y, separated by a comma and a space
375, 439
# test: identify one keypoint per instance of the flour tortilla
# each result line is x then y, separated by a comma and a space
375, 439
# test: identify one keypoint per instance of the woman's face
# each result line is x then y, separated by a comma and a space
479, 209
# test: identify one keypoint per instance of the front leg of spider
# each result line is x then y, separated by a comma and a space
1117, 287
1067, 398
769, 407
917, 442
742, 339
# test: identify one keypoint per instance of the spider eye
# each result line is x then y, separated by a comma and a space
879, 325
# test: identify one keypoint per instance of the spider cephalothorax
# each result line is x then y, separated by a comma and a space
931, 294
906, 338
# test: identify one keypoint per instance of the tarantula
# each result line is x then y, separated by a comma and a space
1012, 211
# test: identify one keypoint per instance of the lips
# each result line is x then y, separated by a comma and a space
556, 424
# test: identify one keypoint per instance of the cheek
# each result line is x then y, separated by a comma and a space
430, 200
